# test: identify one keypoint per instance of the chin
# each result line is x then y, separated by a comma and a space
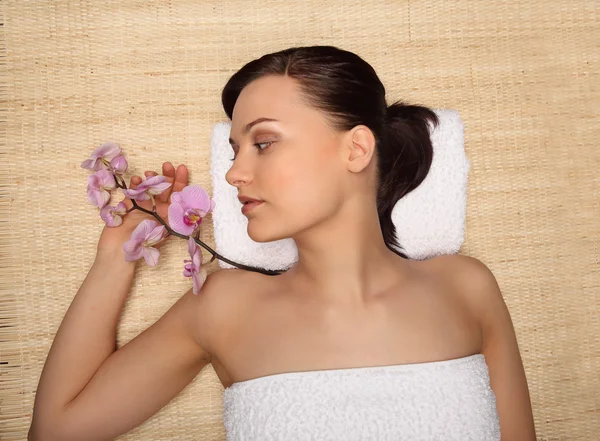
259, 232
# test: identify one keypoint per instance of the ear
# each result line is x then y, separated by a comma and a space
360, 148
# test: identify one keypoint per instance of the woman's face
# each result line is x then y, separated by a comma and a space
292, 163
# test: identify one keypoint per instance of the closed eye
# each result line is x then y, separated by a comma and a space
257, 145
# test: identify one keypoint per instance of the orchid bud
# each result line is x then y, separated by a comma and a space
118, 165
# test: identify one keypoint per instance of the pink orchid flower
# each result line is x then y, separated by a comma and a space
99, 186
194, 268
187, 209
101, 157
118, 165
145, 235
113, 216
151, 186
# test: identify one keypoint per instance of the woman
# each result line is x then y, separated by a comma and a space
355, 340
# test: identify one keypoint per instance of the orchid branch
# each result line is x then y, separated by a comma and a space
110, 166
214, 254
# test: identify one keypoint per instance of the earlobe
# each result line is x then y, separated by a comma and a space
362, 148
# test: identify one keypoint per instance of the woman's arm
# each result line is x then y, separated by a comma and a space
500, 347
88, 390
87, 335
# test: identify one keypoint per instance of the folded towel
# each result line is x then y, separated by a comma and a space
429, 220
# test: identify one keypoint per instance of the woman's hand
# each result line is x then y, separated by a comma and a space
113, 238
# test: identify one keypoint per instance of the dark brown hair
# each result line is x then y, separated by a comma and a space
348, 91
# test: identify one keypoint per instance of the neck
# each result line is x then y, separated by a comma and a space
344, 260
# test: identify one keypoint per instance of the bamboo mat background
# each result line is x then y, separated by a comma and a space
148, 74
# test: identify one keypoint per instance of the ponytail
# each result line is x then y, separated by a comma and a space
405, 157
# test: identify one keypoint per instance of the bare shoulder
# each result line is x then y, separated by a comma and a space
479, 288
220, 279
472, 280
223, 295
224, 286
469, 273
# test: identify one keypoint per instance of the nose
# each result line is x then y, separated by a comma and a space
238, 175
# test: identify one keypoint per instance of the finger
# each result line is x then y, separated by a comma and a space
168, 172
133, 183
147, 204
181, 178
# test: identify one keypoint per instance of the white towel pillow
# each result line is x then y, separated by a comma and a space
429, 220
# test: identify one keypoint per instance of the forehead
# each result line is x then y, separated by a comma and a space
272, 96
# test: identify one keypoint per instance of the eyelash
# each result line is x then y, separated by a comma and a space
257, 144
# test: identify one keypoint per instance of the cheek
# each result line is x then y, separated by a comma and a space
302, 182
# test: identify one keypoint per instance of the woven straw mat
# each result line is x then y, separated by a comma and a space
148, 75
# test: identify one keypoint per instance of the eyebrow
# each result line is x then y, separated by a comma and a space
252, 124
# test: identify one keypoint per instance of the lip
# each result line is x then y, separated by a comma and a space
250, 206
244, 199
